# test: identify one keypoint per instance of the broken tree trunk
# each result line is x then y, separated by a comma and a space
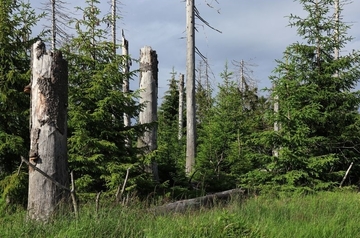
48, 132
197, 203
148, 96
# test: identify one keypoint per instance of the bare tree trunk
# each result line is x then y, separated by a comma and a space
53, 27
48, 144
337, 34
181, 105
190, 88
276, 123
337, 20
113, 26
126, 69
149, 96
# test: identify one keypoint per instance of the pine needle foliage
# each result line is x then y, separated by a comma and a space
318, 115
97, 137
16, 21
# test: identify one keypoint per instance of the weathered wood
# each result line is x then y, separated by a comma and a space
48, 132
196, 203
276, 123
113, 25
181, 106
149, 96
190, 88
126, 69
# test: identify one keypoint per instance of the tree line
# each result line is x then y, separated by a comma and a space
303, 144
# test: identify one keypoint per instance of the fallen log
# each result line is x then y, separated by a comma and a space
196, 203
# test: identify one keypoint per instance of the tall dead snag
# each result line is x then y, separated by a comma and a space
276, 123
181, 105
48, 132
126, 69
190, 88
149, 96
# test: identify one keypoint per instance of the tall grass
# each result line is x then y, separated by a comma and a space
327, 214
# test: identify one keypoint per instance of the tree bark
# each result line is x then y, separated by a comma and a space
181, 105
149, 96
48, 133
276, 123
126, 69
190, 88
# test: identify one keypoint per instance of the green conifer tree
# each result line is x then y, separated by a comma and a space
318, 115
16, 21
224, 153
171, 150
98, 151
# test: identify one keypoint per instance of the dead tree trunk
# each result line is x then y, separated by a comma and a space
181, 105
126, 69
149, 96
48, 122
197, 203
190, 88
276, 123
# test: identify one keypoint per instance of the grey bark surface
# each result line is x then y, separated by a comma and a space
181, 105
190, 88
48, 132
113, 25
126, 69
149, 96
276, 123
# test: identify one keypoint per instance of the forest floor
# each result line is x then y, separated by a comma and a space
325, 214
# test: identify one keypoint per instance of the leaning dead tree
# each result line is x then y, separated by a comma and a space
149, 96
48, 132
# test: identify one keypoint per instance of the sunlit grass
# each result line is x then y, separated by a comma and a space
327, 214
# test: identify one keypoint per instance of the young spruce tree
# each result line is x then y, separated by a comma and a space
171, 150
318, 116
98, 151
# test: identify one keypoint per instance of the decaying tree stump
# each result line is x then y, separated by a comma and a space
48, 132
149, 96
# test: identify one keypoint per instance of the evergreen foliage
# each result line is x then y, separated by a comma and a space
224, 149
97, 137
171, 150
318, 102
16, 21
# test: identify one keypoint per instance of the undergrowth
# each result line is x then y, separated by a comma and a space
326, 214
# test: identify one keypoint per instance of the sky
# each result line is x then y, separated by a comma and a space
255, 31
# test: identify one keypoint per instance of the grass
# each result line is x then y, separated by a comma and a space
327, 214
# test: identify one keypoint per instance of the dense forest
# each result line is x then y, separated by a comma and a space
301, 137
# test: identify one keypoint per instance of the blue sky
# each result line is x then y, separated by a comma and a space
252, 30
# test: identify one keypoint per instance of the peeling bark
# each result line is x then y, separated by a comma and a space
48, 132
